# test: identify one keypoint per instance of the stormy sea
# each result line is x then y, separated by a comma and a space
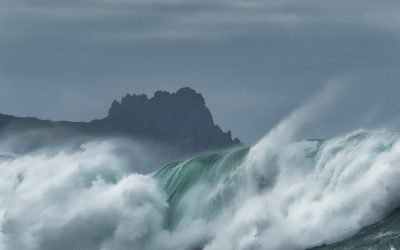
281, 193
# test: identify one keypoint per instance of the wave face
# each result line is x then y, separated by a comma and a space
278, 194
292, 196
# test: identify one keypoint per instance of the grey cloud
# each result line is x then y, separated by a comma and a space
255, 61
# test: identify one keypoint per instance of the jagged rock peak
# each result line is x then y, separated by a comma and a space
180, 118
184, 95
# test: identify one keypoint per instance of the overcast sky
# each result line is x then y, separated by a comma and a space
253, 60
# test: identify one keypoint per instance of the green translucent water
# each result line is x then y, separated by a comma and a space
200, 187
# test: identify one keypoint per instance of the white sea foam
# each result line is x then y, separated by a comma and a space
284, 194
310, 192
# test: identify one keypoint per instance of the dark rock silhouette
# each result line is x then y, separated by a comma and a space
178, 120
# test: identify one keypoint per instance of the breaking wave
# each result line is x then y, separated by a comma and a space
278, 194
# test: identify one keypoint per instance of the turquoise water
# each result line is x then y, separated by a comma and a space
280, 194
312, 192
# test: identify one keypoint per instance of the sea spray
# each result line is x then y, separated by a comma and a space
309, 192
293, 194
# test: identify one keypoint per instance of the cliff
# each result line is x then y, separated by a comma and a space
178, 120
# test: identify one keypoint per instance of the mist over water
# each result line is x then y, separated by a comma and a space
282, 193
295, 195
